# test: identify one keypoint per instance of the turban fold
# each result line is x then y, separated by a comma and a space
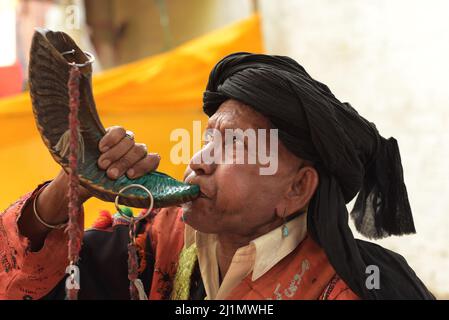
351, 158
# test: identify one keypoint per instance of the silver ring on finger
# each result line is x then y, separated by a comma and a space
130, 134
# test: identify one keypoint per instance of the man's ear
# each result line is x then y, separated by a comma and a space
301, 190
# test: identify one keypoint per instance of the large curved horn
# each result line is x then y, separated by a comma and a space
49, 68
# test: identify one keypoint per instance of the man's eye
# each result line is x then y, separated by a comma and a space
239, 140
234, 140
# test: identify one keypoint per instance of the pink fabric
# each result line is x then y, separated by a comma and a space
25, 274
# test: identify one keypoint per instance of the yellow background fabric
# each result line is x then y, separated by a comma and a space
151, 97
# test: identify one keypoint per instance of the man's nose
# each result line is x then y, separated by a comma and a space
201, 167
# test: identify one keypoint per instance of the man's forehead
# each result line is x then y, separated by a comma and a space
233, 113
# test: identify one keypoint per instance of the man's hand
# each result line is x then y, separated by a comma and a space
121, 155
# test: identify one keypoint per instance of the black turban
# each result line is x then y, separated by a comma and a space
350, 156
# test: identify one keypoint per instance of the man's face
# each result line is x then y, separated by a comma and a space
236, 198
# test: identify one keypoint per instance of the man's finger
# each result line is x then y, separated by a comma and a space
119, 167
113, 136
115, 153
142, 167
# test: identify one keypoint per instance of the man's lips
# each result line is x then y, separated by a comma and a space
203, 194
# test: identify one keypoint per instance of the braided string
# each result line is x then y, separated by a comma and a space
73, 229
133, 264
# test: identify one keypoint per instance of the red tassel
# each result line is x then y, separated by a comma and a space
104, 220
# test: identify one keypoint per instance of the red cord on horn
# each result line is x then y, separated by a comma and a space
73, 229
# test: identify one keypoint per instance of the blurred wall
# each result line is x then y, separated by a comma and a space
124, 31
389, 59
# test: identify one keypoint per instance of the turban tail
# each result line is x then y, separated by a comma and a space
350, 156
